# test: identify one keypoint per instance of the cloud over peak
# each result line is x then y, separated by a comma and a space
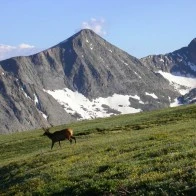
97, 25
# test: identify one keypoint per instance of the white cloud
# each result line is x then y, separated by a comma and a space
25, 46
23, 49
98, 26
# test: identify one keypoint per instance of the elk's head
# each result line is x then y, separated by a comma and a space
46, 130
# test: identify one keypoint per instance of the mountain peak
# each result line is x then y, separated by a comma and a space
192, 50
192, 45
86, 31
82, 34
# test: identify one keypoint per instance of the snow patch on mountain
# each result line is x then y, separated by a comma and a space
192, 66
44, 115
77, 104
180, 83
161, 60
175, 103
36, 99
152, 95
22, 89
137, 75
37, 103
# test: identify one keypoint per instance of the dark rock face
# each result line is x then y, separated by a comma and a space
85, 63
25, 106
180, 62
188, 98
192, 51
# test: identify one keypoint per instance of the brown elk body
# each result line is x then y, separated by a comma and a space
61, 135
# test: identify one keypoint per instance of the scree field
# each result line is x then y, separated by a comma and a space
149, 153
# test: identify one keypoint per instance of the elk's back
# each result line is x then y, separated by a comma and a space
59, 135
63, 134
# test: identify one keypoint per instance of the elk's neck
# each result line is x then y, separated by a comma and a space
49, 135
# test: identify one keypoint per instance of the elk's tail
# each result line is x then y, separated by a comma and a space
71, 132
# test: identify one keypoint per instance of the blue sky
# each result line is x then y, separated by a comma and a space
140, 27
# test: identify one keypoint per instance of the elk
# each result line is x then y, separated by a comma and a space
58, 136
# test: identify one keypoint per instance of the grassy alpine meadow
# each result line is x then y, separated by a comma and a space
149, 153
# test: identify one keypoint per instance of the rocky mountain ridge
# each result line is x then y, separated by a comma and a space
180, 63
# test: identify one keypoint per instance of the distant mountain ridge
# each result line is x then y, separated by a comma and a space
82, 77
181, 62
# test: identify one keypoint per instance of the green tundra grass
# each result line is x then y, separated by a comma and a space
150, 153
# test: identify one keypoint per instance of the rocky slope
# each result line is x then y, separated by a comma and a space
180, 62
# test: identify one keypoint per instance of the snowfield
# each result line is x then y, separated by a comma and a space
77, 104
182, 84
152, 95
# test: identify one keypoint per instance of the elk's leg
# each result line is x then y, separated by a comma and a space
70, 141
73, 138
52, 145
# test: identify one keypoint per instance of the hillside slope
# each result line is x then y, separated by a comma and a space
147, 153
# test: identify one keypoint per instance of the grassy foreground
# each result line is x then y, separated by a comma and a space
151, 153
